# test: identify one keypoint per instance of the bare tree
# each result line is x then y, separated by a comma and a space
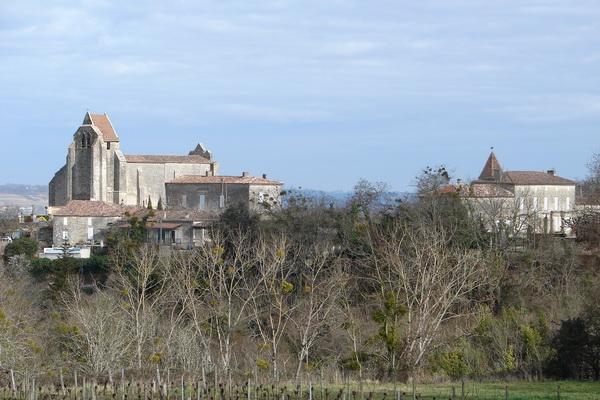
137, 280
368, 198
188, 311
505, 217
226, 288
103, 337
20, 341
319, 283
358, 330
436, 282
271, 305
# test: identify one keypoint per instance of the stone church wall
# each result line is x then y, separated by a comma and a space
148, 180
57, 188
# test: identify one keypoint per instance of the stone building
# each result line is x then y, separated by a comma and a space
182, 229
538, 200
98, 184
97, 170
218, 192
85, 222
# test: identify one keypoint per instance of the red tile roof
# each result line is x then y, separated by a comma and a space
247, 180
152, 159
485, 189
492, 168
492, 171
448, 189
164, 225
534, 178
178, 215
87, 208
103, 124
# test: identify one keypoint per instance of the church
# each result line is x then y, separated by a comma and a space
97, 170
99, 185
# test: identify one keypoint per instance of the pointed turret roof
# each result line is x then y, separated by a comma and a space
103, 124
492, 170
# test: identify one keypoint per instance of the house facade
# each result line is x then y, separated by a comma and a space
183, 229
84, 222
218, 192
538, 201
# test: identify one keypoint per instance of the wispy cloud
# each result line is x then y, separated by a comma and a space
351, 47
272, 113
555, 107
346, 68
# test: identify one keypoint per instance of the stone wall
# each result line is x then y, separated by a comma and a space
78, 229
148, 180
217, 196
264, 197
552, 204
205, 196
119, 193
57, 188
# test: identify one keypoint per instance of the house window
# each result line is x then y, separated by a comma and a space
261, 197
90, 234
108, 146
556, 224
545, 204
222, 201
89, 221
65, 235
184, 200
65, 221
202, 202
521, 204
535, 205
567, 204
199, 234
556, 203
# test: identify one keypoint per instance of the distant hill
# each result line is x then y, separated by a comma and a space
341, 198
17, 195
24, 190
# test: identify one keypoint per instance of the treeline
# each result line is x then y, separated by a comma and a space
374, 290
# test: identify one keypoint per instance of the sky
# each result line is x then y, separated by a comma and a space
315, 93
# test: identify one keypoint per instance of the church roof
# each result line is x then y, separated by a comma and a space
103, 124
244, 179
492, 168
158, 159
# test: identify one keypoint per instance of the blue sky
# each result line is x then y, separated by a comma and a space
318, 94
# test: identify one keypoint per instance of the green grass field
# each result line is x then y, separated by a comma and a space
514, 390
517, 390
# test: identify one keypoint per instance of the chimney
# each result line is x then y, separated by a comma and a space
550, 172
245, 174
264, 176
